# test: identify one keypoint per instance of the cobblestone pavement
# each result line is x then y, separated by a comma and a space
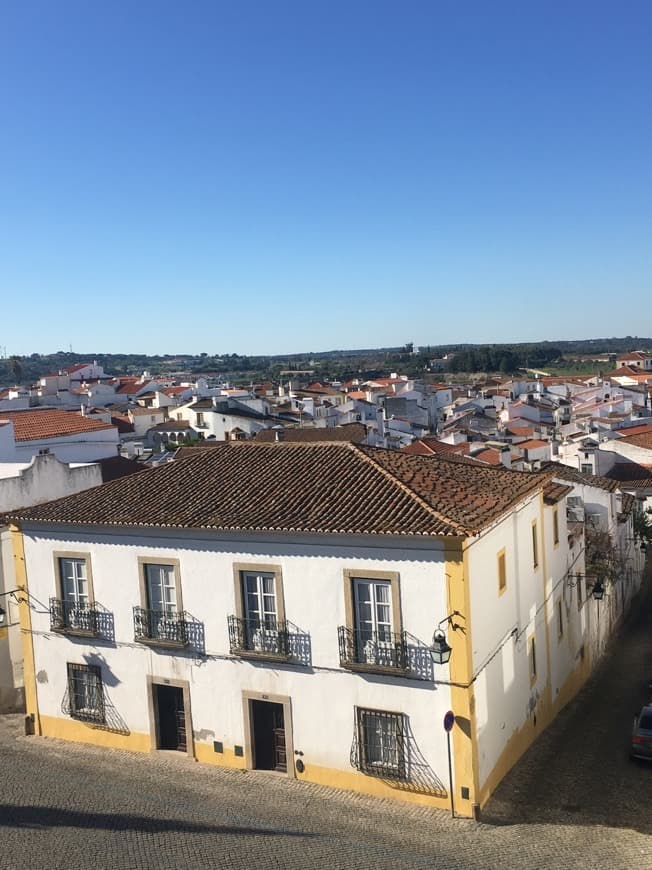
574, 801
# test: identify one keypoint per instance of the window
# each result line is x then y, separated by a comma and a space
555, 526
261, 619
535, 546
161, 618
372, 635
72, 610
200, 418
560, 619
502, 572
381, 743
259, 624
85, 693
586, 468
532, 658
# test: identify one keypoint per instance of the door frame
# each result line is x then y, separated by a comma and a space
152, 705
247, 711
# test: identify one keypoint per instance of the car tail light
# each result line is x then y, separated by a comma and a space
639, 739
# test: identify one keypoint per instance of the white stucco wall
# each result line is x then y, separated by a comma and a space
84, 447
323, 695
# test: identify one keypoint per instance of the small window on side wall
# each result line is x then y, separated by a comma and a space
555, 526
502, 572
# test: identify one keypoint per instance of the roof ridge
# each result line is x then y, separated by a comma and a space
408, 489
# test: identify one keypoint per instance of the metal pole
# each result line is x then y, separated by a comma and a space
450, 774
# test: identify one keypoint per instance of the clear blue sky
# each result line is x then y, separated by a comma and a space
268, 177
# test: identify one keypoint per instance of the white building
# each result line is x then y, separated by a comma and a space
273, 607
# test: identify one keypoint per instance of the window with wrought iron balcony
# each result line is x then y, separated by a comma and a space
258, 630
73, 610
160, 622
370, 642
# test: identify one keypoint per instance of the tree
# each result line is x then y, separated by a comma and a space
16, 368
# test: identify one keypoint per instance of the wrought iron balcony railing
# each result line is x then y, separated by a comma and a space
73, 616
372, 649
264, 639
161, 626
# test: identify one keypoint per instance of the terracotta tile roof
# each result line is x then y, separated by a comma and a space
643, 429
643, 439
312, 488
33, 425
427, 446
575, 476
354, 432
532, 444
554, 492
630, 471
489, 455
356, 394
114, 467
520, 431
627, 505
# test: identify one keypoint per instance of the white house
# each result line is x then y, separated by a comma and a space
70, 436
291, 607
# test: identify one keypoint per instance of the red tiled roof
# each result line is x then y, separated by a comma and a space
643, 429
642, 439
489, 455
310, 488
429, 446
354, 432
33, 425
554, 492
532, 444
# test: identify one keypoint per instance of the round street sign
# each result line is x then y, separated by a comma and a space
449, 720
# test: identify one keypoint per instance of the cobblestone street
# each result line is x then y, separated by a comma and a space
574, 801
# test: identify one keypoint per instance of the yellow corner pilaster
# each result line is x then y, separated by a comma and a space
461, 674
25, 619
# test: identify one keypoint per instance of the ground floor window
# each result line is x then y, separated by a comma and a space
381, 743
85, 693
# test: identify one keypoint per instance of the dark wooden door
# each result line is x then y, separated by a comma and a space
171, 718
269, 736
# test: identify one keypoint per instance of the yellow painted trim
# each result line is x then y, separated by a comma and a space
25, 618
82, 732
205, 753
523, 737
464, 736
352, 780
544, 578
4, 633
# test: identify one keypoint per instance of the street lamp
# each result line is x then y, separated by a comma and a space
440, 651
598, 591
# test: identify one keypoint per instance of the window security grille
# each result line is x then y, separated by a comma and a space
85, 693
381, 743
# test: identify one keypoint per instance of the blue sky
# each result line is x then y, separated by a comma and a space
269, 177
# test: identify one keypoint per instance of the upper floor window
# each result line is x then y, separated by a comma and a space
259, 625
555, 526
372, 635
161, 588
535, 545
72, 609
502, 572
161, 616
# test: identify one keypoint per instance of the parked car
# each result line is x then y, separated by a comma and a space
642, 734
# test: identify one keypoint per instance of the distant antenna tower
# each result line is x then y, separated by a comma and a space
70, 347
